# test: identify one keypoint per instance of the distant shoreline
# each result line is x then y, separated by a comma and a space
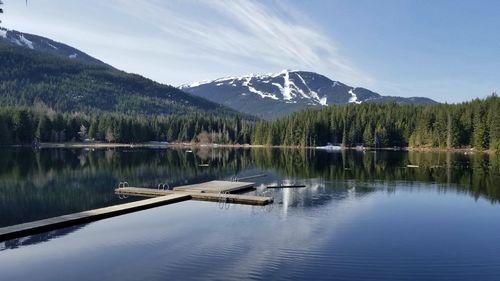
198, 145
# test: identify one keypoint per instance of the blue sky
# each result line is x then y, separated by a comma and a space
446, 50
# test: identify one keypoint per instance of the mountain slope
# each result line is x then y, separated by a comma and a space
274, 95
31, 73
45, 45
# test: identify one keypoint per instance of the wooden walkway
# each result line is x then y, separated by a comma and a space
40, 226
215, 191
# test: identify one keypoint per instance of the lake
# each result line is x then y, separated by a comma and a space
361, 216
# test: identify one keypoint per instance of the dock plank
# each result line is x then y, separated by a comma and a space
49, 224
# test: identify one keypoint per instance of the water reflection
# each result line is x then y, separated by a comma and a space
52, 182
356, 233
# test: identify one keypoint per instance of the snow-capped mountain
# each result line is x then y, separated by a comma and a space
273, 95
45, 45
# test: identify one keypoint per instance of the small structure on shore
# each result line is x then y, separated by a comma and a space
330, 147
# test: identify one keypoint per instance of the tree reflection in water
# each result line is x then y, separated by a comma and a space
52, 182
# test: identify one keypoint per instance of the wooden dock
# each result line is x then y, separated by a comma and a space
40, 226
215, 191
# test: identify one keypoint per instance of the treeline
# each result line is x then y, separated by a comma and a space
471, 124
29, 125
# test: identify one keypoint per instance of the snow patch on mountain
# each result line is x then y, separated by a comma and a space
52, 46
247, 81
323, 101
354, 97
195, 84
3, 33
262, 94
287, 95
313, 94
26, 42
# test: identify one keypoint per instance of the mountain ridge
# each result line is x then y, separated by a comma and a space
46, 45
34, 69
287, 91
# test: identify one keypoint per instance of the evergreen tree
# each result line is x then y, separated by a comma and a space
368, 136
22, 127
94, 125
44, 129
480, 140
495, 126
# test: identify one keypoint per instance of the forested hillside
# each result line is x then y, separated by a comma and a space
471, 124
24, 126
28, 77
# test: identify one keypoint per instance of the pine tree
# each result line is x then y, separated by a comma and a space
381, 136
452, 132
480, 135
495, 126
368, 136
23, 126
93, 129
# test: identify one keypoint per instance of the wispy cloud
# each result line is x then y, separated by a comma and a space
184, 41
241, 36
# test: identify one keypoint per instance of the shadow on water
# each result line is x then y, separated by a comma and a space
39, 238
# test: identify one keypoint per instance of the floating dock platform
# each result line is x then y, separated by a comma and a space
197, 195
215, 191
216, 187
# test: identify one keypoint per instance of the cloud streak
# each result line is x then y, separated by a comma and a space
184, 41
229, 37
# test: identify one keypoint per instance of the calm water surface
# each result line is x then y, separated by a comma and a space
362, 216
